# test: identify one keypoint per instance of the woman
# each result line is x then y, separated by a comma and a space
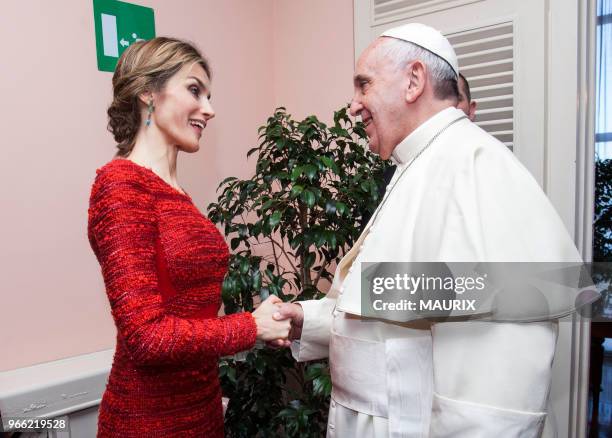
162, 261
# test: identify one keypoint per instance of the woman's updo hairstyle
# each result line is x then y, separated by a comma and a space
145, 66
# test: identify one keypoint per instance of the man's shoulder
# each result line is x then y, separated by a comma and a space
471, 135
469, 142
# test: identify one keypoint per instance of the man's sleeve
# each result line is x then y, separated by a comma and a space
314, 343
491, 379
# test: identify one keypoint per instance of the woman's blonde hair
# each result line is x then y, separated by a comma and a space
145, 66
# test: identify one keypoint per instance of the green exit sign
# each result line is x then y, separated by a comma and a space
119, 24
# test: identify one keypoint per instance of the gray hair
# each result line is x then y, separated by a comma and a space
442, 75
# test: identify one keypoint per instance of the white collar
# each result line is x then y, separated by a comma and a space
409, 147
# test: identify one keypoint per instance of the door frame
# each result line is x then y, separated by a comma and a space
585, 202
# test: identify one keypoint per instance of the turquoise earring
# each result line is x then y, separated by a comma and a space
150, 109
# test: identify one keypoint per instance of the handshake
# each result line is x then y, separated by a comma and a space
278, 323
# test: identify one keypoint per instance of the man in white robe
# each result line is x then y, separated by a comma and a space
458, 195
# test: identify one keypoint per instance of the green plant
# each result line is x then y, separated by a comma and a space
602, 233
602, 224
288, 226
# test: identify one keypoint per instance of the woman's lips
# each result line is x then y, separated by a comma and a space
197, 129
197, 125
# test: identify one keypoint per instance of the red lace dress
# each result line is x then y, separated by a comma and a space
163, 264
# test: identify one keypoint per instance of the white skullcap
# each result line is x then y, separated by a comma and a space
428, 38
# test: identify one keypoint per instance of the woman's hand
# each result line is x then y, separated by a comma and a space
268, 328
292, 312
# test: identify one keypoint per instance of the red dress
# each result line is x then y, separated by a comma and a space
163, 264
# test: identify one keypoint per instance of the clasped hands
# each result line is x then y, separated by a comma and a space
278, 323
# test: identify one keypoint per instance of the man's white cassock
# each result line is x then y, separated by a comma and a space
466, 198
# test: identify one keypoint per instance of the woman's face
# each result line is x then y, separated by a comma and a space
182, 108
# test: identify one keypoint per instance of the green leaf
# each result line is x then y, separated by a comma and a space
287, 413
266, 205
308, 197
244, 266
310, 171
243, 231
275, 219
228, 287
319, 239
331, 239
296, 190
263, 165
327, 161
256, 280
296, 172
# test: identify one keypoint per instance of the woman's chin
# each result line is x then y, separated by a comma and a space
191, 148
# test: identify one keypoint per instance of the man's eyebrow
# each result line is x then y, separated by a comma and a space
200, 83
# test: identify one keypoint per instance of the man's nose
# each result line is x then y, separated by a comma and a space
355, 108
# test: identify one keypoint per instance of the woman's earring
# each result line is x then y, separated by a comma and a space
150, 109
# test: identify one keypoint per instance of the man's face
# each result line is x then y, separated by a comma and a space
464, 104
379, 99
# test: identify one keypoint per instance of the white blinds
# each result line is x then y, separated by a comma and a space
486, 59
384, 11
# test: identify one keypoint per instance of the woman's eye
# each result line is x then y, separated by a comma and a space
195, 90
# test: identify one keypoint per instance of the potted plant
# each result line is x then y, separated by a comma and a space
288, 226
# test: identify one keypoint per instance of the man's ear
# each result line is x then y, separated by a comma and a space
417, 78
472, 112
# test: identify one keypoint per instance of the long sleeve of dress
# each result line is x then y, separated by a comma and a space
123, 231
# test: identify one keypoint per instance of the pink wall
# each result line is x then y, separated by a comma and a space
264, 53
314, 53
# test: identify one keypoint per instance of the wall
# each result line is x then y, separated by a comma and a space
266, 53
314, 54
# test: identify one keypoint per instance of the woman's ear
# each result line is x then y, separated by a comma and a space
417, 77
145, 97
